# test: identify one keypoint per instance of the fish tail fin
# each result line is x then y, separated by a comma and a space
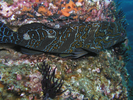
7, 35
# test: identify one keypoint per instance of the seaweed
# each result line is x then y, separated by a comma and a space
51, 86
120, 49
120, 15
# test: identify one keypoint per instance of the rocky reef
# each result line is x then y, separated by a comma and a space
101, 77
51, 12
50, 77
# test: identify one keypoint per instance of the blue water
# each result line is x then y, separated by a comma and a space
127, 6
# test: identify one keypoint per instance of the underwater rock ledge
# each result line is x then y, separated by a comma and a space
33, 77
103, 77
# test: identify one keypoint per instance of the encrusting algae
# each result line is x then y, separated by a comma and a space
20, 12
103, 77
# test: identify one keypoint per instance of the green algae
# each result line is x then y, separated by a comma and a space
9, 1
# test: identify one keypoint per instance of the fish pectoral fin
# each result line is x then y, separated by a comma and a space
30, 51
76, 54
79, 54
63, 55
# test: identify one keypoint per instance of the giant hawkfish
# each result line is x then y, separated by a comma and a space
74, 39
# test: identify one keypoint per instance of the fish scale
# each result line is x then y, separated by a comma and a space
74, 39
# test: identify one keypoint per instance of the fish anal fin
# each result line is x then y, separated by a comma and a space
78, 54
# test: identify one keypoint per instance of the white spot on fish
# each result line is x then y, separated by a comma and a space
57, 26
50, 36
107, 37
92, 47
26, 36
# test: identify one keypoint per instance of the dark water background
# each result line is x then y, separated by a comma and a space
127, 7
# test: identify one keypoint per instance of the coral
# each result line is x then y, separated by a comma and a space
50, 86
42, 10
69, 7
5, 10
21, 12
130, 92
26, 9
121, 50
27, 79
119, 15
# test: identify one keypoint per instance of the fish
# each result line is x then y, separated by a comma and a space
74, 40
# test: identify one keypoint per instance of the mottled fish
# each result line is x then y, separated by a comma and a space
75, 39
